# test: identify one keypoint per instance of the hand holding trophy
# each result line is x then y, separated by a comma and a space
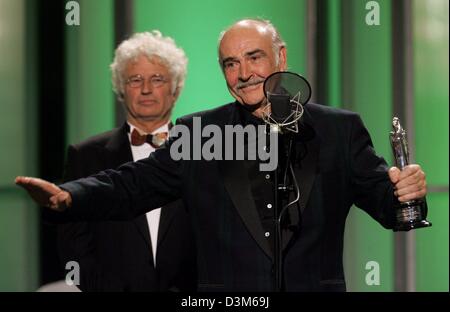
411, 214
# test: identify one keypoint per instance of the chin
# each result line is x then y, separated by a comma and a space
146, 115
253, 101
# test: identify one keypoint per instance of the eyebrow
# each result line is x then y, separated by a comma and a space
229, 59
255, 52
247, 54
142, 76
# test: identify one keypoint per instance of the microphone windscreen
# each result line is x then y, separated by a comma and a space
281, 106
288, 83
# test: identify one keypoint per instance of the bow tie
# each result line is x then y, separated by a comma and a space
156, 140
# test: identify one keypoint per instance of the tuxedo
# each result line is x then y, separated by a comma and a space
117, 255
337, 168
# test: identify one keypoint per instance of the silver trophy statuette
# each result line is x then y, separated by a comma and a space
409, 215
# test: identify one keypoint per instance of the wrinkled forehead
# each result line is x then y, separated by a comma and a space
246, 29
245, 36
143, 58
147, 63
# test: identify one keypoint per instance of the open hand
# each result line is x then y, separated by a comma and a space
45, 193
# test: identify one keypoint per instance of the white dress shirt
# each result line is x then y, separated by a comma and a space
141, 152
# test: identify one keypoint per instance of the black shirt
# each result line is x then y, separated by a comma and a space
263, 190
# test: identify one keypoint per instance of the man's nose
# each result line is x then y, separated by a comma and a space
146, 87
245, 72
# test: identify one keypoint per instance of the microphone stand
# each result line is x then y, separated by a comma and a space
277, 231
286, 92
282, 190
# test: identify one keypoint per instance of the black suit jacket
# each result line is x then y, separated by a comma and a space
117, 256
338, 168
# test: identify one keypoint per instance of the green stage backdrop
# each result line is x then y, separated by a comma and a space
358, 77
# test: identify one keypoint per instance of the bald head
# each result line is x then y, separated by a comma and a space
250, 51
261, 27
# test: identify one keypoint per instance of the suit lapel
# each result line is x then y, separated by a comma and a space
119, 148
237, 184
235, 178
166, 218
308, 145
119, 151
307, 165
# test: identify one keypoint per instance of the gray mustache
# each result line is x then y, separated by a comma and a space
249, 83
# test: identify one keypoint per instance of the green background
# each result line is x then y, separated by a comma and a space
359, 78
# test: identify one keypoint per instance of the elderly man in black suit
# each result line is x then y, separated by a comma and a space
154, 251
231, 201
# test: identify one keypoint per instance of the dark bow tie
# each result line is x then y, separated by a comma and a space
156, 140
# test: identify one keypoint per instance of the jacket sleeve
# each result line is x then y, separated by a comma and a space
372, 190
133, 189
76, 241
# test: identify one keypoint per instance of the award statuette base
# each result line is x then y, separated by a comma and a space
409, 216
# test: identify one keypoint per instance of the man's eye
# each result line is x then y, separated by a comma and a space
255, 57
229, 64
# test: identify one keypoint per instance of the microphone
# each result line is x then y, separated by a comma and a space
286, 93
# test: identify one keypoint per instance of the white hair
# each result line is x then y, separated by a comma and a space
277, 41
152, 45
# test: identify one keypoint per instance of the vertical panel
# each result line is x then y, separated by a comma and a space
367, 90
314, 48
328, 61
18, 230
334, 53
432, 246
431, 119
12, 77
90, 50
123, 29
18, 217
431, 87
195, 26
402, 107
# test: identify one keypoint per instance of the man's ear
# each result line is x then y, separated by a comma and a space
282, 59
176, 93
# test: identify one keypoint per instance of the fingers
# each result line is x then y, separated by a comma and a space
26, 181
394, 174
60, 201
412, 195
410, 176
27, 184
36, 184
22, 181
410, 170
44, 193
409, 183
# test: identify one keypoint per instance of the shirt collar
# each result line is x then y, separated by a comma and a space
163, 128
